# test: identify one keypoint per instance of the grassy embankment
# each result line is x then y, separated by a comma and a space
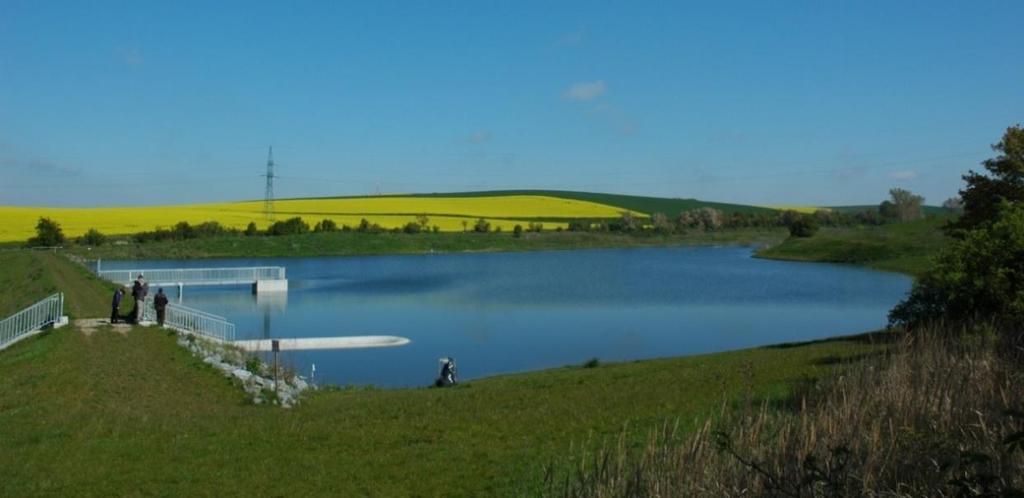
903, 247
128, 413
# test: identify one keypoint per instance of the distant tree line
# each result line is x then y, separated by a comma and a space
902, 206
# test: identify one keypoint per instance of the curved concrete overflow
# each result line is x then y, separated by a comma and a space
300, 343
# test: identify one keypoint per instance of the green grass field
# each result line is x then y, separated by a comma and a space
903, 247
114, 414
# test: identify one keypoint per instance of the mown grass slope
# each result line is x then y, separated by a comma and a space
27, 277
113, 414
903, 247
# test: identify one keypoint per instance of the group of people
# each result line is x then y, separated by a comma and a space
139, 290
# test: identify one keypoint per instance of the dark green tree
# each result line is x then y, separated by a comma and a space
1004, 182
980, 276
661, 223
93, 238
326, 225
291, 226
888, 211
251, 229
423, 222
902, 205
804, 226
628, 222
48, 234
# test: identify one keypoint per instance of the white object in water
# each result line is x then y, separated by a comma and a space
305, 343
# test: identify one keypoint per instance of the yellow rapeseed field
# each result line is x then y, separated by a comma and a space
448, 213
799, 209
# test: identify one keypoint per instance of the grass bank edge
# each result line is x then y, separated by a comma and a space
900, 247
387, 243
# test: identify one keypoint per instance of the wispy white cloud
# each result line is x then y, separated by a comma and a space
586, 91
479, 137
903, 175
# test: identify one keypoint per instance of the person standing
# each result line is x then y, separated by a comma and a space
160, 304
139, 290
115, 306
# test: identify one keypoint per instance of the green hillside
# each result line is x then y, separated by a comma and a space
634, 202
938, 210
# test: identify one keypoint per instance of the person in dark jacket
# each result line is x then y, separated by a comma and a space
446, 378
139, 290
115, 306
160, 304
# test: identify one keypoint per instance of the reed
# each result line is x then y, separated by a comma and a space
930, 417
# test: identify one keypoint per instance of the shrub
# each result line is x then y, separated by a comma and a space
804, 226
326, 225
626, 223
254, 365
517, 231
579, 226
48, 234
705, 218
210, 229
411, 227
291, 226
251, 229
661, 223
366, 227
184, 231
93, 238
980, 276
423, 222
482, 226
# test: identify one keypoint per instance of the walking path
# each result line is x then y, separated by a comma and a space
90, 325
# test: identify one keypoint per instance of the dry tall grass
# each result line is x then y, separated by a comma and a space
930, 417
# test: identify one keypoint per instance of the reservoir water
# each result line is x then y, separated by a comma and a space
512, 312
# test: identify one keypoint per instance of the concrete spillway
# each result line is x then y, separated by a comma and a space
299, 343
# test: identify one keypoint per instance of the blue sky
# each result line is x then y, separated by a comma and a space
818, 103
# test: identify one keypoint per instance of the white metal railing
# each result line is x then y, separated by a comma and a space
35, 317
191, 320
197, 275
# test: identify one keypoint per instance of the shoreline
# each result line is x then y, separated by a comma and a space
361, 244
